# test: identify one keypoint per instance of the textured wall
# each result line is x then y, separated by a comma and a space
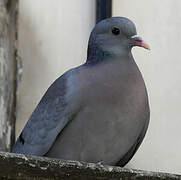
159, 23
7, 72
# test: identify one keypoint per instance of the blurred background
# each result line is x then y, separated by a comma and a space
53, 37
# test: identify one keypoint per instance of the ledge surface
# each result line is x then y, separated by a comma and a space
21, 167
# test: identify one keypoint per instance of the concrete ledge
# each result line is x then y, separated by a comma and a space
21, 167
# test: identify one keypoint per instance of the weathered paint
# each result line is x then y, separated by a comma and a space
7, 72
16, 166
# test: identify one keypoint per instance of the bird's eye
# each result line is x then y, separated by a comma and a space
115, 30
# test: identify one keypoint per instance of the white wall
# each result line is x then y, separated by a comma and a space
159, 23
53, 37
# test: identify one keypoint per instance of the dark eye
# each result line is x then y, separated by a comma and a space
115, 30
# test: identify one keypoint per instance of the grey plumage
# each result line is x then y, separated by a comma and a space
98, 111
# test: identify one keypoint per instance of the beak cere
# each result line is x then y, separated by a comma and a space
138, 41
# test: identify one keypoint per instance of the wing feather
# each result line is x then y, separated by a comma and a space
47, 121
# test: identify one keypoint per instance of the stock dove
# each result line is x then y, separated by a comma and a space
96, 112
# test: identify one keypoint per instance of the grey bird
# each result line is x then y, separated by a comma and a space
98, 111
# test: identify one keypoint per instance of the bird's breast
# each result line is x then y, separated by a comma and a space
111, 84
112, 113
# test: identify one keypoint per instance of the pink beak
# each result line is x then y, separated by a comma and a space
139, 42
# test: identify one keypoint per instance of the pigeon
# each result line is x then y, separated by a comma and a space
98, 111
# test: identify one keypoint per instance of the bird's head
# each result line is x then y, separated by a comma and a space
114, 36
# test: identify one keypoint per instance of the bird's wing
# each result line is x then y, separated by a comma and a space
47, 121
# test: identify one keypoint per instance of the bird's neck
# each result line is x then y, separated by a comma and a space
97, 54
